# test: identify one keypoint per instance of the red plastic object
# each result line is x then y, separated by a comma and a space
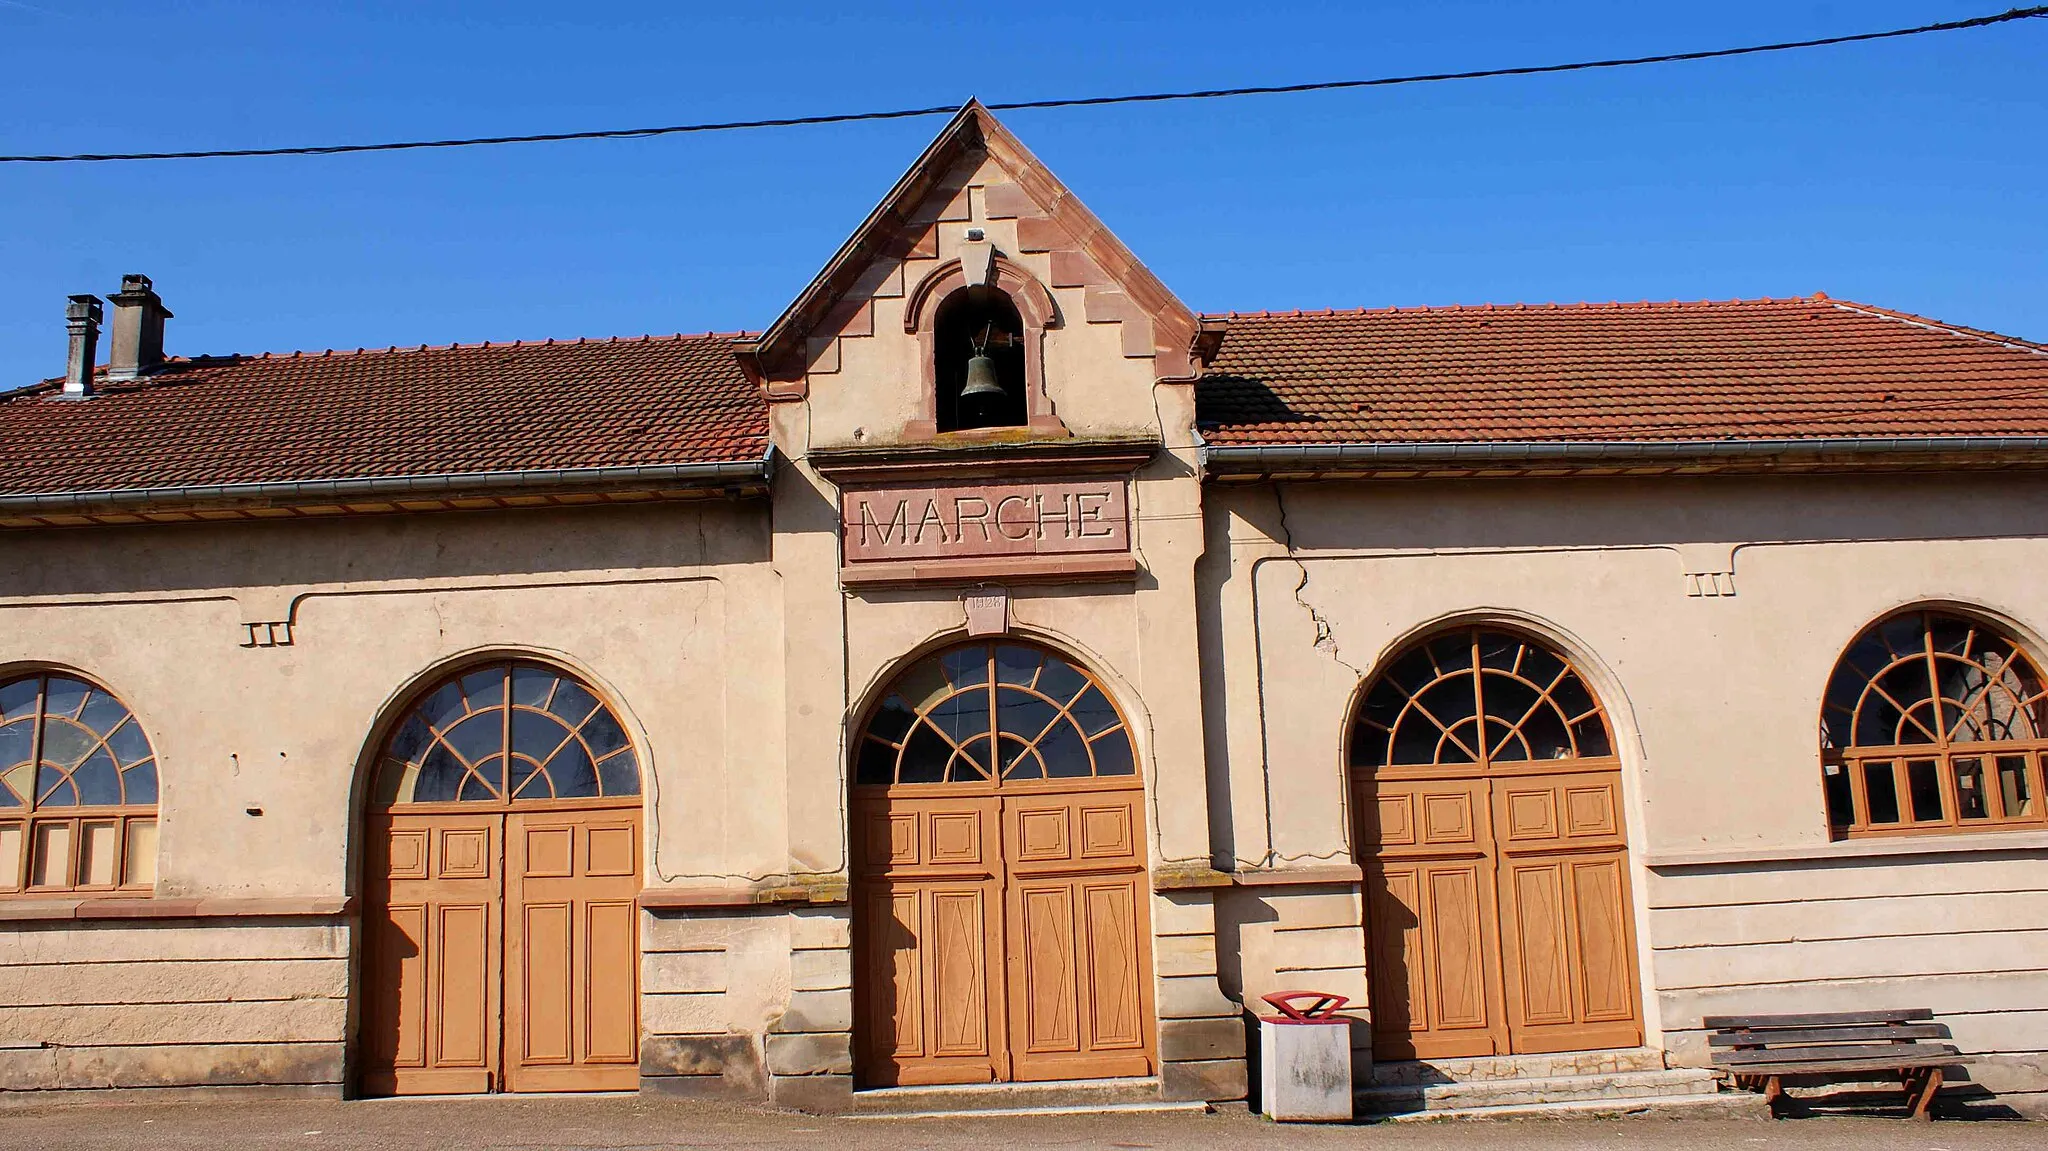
1305, 1006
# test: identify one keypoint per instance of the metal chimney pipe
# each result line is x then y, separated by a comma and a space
82, 320
139, 316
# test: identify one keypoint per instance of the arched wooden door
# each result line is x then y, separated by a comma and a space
1001, 922
1488, 804
502, 939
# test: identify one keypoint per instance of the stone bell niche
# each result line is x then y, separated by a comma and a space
978, 361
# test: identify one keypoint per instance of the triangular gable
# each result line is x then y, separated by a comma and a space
1050, 219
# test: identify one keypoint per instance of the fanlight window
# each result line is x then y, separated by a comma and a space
77, 790
1478, 697
1933, 722
993, 713
510, 732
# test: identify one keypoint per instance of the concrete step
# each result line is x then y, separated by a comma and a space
1725, 1105
1488, 1093
1424, 1071
1017, 1098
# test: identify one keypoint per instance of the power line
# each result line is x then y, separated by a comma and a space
1025, 105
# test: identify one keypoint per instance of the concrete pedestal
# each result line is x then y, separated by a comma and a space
1305, 1069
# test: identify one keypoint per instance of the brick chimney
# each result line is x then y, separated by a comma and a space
139, 316
82, 319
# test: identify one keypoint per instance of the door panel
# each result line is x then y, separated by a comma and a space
1429, 891
572, 956
433, 954
1002, 937
1499, 912
926, 931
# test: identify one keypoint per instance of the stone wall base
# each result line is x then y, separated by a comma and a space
76, 1095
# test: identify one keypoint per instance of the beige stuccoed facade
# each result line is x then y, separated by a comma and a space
1705, 613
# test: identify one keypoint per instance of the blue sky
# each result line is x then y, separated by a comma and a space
1909, 174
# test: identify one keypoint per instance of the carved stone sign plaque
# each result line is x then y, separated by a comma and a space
971, 529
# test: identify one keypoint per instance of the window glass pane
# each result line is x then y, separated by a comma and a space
877, 763
1415, 741
1411, 671
892, 719
10, 856
536, 734
972, 763
573, 774
531, 685
54, 789
138, 783
1113, 754
99, 843
476, 788
1451, 746
443, 707
1881, 793
1060, 681
966, 666
484, 688
1022, 714
98, 780
1908, 686
103, 713
1971, 800
1450, 700
1017, 665
1572, 697
528, 780
603, 734
139, 862
1591, 735
18, 699
17, 742
925, 757
1451, 652
50, 865
1093, 712
1499, 652
1064, 751
620, 775
439, 776
1023, 763
572, 703
479, 738
65, 743
128, 743
2015, 793
1503, 742
1923, 781
1835, 783
962, 717
64, 696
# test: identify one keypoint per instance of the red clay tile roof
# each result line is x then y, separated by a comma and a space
325, 415
1740, 369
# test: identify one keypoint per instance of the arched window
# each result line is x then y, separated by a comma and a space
979, 322
77, 790
991, 713
1933, 722
1477, 696
507, 733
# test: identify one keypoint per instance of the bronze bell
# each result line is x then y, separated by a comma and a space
981, 378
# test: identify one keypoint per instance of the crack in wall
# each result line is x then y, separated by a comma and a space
1326, 639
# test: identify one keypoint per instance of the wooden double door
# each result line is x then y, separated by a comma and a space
1002, 934
1499, 909
502, 950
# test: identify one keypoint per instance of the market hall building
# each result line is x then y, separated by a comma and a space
994, 672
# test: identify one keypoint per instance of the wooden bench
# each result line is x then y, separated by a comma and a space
1762, 1050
